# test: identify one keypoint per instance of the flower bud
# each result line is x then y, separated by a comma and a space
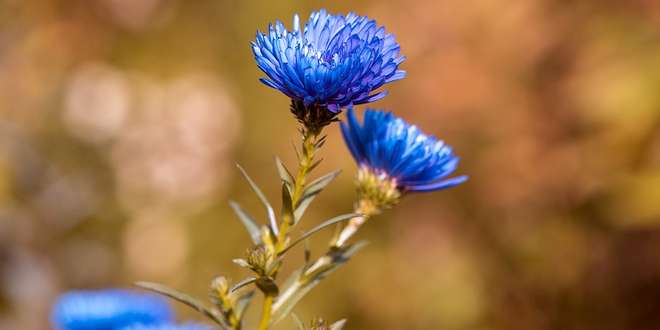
376, 191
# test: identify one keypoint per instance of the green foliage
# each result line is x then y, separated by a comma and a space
270, 244
248, 221
184, 298
305, 279
262, 197
323, 225
312, 190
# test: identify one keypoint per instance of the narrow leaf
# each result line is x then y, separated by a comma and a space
187, 300
317, 185
315, 164
262, 197
353, 249
293, 292
296, 288
321, 142
338, 325
302, 206
244, 282
295, 149
243, 302
248, 222
287, 204
299, 323
310, 193
320, 227
285, 175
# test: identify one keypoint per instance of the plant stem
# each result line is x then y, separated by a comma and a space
364, 207
266, 312
306, 161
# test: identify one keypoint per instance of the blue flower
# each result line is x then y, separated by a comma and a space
108, 310
335, 61
387, 145
170, 326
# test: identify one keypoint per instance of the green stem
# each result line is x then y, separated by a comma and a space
306, 161
266, 312
309, 148
364, 207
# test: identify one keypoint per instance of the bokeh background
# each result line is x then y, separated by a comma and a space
121, 121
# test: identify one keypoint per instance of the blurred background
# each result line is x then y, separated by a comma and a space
120, 122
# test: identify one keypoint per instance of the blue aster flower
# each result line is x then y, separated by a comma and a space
108, 309
170, 326
388, 147
334, 62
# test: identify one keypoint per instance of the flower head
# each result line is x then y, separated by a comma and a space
334, 62
108, 310
392, 152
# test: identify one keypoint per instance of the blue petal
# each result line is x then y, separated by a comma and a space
334, 60
439, 185
389, 144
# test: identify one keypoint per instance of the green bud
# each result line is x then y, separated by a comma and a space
319, 324
258, 259
376, 191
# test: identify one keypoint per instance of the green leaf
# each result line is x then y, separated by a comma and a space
285, 175
264, 200
313, 189
321, 142
243, 302
300, 282
187, 300
299, 323
317, 185
293, 292
248, 222
338, 325
295, 149
351, 250
314, 165
287, 204
244, 282
318, 228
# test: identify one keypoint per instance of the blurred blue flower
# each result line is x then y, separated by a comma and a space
389, 146
170, 326
335, 61
108, 310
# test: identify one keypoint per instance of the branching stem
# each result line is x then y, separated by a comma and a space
306, 162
